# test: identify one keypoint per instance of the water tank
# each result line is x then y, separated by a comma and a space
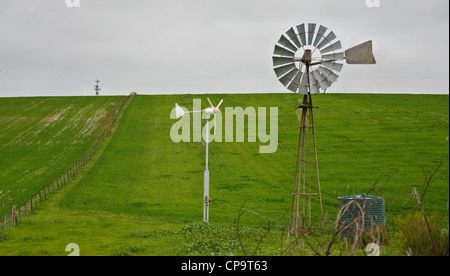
372, 206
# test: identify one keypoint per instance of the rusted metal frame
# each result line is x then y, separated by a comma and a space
317, 165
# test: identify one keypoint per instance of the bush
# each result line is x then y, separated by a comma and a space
420, 238
208, 239
379, 235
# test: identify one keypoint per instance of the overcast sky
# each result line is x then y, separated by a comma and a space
211, 46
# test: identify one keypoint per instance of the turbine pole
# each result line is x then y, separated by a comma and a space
206, 198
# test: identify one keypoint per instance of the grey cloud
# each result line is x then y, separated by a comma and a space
186, 46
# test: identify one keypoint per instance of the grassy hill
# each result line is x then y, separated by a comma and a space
40, 138
142, 193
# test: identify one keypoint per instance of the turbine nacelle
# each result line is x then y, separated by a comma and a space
210, 110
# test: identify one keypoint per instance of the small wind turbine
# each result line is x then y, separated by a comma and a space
210, 110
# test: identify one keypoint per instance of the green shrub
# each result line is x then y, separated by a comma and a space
419, 239
379, 235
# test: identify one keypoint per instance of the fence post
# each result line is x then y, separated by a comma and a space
14, 217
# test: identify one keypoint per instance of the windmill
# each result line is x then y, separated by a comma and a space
306, 60
208, 111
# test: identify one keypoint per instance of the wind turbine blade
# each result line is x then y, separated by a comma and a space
314, 84
334, 47
210, 102
283, 52
329, 75
318, 76
179, 112
360, 54
286, 79
302, 33
293, 87
323, 82
287, 44
320, 34
311, 29
336, 56
280, 71
333, 66
328, 39
303, 89
277, 61
219, 104
293, 36
296, 82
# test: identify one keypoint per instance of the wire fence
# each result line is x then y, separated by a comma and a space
18, 212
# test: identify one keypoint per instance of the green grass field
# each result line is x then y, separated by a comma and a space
41, 137
141, 194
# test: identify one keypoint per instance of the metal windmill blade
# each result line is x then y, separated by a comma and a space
308, 58
303, 41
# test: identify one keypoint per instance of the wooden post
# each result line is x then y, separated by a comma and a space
14, 217
45, 194
31, 205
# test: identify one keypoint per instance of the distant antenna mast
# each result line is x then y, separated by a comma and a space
97, 88
210, 110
